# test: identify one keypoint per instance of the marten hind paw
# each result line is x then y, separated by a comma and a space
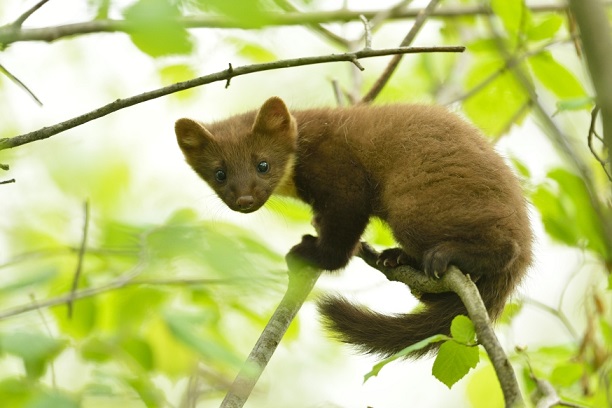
436, 261
394, 257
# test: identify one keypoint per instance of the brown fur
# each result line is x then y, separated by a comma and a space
447, 196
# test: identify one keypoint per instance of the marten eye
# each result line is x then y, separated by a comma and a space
263, 167
220, 176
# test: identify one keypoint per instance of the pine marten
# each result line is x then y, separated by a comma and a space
447, 196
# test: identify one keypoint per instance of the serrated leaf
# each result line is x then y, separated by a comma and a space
462, 330
454, 361
555, 77
417, 346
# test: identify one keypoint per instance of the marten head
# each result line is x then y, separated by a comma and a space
243, 158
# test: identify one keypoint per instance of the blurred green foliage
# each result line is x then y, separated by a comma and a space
161, 301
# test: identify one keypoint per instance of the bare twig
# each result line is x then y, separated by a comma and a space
596, 37
9, 35
19, 83
329, 35
592, 133
392, 66
337, 92
454, 280
49, 131
367, 32
300, 284
81, 255
22, 18
7, 181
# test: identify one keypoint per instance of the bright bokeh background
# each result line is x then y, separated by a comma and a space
129, 168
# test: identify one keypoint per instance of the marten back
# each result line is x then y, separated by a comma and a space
448, 197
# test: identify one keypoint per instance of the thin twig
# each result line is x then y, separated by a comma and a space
49, 131
19, 83
592, 132
7, 181
50, 333
22, 18
392, 66
81, 255
454, 280
367, 32
558, 313
9, 35
300, 284
337, 92
327, 34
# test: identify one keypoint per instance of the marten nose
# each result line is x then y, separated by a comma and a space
245, 202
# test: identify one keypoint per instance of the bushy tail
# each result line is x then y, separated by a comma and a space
376, 333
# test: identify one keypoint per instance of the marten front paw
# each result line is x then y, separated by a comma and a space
394, 257
436, 260
302, 254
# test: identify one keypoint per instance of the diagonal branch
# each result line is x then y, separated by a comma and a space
300, 284
22, 18
225, 75
19, 83
392, 66
455, 281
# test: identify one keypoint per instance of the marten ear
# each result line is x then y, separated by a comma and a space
273, 117
191, 135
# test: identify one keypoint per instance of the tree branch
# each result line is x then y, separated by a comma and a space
596, 39
454, 280
225, 75
392, 66
10, 34
300, 284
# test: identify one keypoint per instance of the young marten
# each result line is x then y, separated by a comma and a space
438, 184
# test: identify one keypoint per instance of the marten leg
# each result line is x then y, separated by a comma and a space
339, 232
471, 257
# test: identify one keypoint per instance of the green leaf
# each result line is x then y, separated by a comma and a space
510, 312
251, 50
555, 77
185, 328
567, 374
462, 330
139, 350
567, 213
416, 346
35, 349
53, 399
454, 361
247, 13
483, 388
572, 104
512, 13
170, 357
483, 108
545, 29
96, 350
156, 30
150, 395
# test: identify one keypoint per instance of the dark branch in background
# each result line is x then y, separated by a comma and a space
81, 255
19, 83
593, 132
455, 281
300, 284
392, 66
225, 75
596, 37
10, 34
